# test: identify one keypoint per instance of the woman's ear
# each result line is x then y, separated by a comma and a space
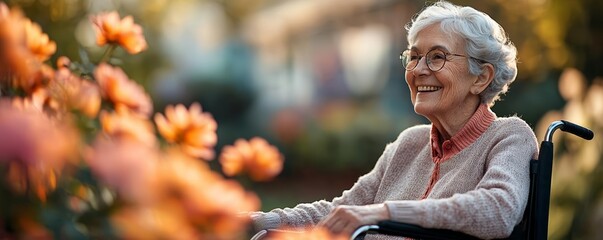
484, 79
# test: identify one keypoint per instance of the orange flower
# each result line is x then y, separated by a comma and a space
121, 91
211, 202
258, 158
183, 174
39, 181
166, 221
23, 47
40, 98
63, 62
194, 130
123, 32
75, 93
87, 99
35, 148
124, 125
38, 101
315, 233
38, 43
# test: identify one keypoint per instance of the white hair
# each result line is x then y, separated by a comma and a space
484, 38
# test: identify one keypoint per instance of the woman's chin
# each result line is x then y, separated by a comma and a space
426, 110
423, 108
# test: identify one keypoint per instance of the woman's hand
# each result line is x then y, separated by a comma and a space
345, 219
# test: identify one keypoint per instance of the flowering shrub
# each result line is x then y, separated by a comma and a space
79, 154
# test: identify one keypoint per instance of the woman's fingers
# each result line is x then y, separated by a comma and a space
341, 220
339, 226
345, 219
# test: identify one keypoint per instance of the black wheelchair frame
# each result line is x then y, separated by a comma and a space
534, 224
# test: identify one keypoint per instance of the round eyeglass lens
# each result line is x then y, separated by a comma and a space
409, 59
436, 59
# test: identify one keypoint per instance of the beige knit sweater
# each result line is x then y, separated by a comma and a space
481, 187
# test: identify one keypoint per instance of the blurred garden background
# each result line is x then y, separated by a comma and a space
321, 80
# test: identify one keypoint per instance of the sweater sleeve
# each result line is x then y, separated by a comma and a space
495, 206
361, 193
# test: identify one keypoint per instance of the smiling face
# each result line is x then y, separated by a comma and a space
440, 95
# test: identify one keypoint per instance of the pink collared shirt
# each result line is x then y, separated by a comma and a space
475, 127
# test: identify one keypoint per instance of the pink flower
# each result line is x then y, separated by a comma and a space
35, 148
128, 166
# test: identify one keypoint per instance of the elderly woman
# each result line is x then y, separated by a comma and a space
468, 170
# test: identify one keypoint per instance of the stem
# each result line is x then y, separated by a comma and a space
4, 78
108, 53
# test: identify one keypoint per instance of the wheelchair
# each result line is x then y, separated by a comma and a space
534, 224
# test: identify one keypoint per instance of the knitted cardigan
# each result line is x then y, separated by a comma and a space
477, 182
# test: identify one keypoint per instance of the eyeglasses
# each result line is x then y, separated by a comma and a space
435, 59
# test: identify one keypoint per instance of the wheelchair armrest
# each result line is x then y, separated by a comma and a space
393, 228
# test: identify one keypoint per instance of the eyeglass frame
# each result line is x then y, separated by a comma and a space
446, 54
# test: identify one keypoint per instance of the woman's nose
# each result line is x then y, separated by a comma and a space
422, 68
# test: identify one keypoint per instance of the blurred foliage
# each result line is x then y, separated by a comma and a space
577, 189
84, 156
276, 69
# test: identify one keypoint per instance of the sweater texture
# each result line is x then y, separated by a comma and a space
477, 182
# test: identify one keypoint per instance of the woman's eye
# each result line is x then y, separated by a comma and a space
414, 58
438, 56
